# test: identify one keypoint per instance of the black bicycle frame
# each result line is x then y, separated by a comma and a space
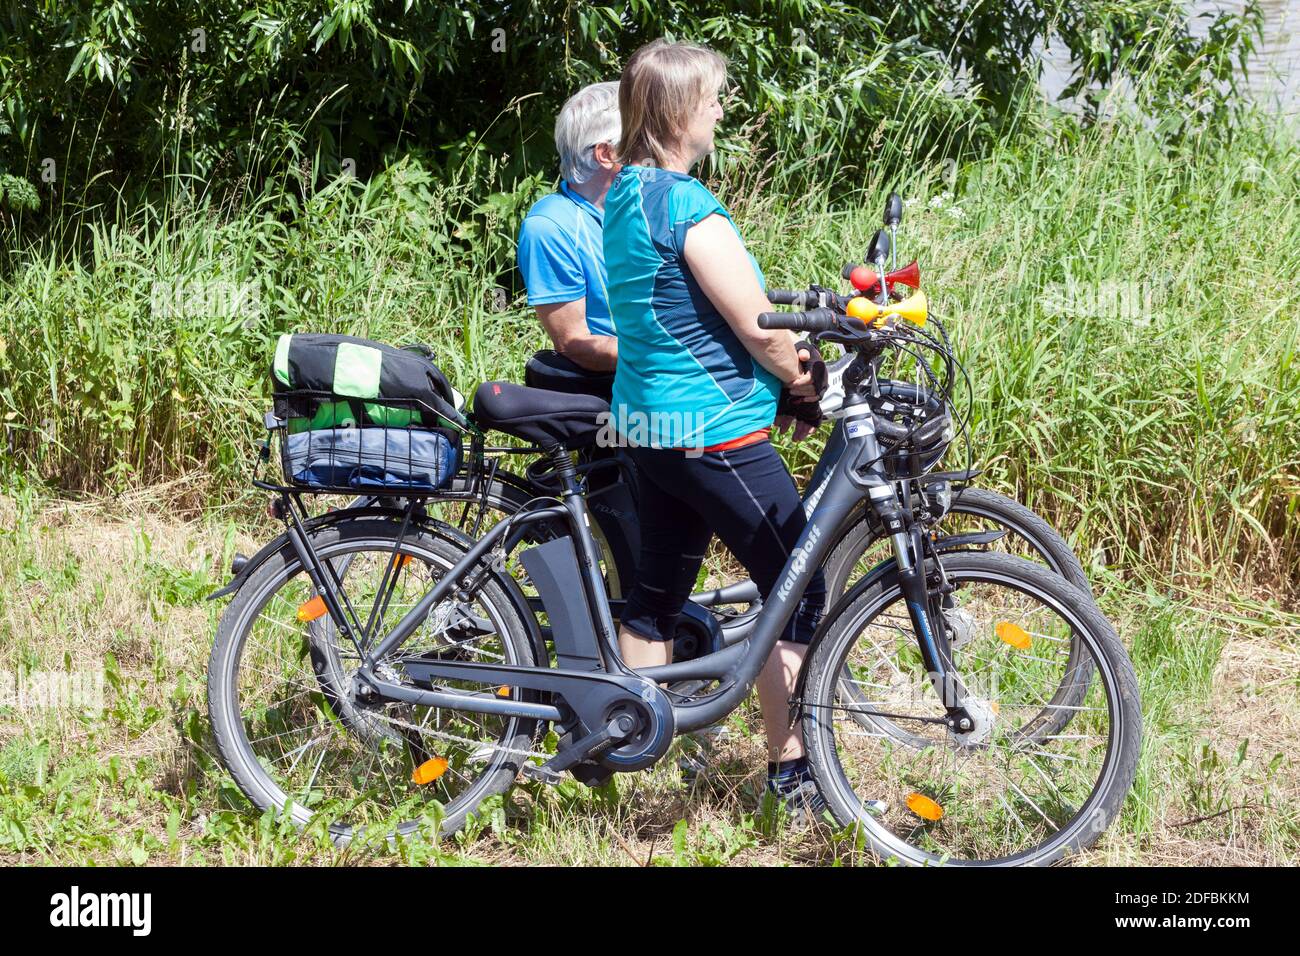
857, 474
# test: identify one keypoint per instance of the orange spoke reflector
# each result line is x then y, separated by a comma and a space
924, 807
404, 560
995, 707
430, 770
1013, 634
503, 691
312, 609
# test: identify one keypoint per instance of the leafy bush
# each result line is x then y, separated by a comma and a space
105, 95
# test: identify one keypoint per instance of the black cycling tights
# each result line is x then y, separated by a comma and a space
746, 497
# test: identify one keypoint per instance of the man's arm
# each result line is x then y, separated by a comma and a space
566, 324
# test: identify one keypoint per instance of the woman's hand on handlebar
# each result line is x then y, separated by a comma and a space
803, 387
802, 429
811, 381
805, 391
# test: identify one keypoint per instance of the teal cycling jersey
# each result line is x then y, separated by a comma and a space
684, 378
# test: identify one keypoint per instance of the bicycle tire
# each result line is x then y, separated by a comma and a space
234, 748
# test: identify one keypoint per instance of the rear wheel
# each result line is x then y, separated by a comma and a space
294, 735
973, 509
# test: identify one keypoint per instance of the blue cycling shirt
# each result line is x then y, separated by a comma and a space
561, 256
684, 378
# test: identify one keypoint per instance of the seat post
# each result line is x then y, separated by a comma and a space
565, 469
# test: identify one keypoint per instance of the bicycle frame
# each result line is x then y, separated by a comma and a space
857, 474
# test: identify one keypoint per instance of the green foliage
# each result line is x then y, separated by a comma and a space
708, 845
1118, 388
233, 96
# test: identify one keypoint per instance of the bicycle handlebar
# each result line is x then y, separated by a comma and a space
786, 297
813, 298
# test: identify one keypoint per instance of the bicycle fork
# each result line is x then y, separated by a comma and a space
924, 604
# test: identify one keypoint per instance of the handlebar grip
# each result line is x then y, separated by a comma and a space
816, 320
785, 297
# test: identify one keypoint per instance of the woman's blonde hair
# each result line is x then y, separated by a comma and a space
661, 85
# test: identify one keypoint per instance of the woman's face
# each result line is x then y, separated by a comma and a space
699, 127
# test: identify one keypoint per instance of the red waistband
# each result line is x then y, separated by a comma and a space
753, 438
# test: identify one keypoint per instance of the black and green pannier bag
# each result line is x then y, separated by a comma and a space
362, 414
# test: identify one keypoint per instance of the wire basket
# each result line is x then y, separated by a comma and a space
335, 444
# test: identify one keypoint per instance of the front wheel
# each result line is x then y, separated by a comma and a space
1025, 535
1013, 790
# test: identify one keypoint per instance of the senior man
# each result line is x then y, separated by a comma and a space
560, 249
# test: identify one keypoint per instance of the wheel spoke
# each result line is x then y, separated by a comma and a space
314, 741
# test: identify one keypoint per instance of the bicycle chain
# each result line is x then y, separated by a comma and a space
478, 744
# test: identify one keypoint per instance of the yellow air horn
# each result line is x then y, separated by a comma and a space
915, 308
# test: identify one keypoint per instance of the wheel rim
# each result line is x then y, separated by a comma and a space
1043, 789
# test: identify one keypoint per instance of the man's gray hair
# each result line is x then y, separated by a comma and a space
588, 117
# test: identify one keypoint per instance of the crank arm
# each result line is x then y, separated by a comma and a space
591, 745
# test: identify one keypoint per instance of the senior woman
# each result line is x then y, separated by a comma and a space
698, 382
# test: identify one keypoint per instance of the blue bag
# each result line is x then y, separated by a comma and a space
413, 459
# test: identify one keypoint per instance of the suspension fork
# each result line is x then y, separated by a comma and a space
924, 609
907, 540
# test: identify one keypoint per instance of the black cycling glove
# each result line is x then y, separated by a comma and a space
816, 365
805, 411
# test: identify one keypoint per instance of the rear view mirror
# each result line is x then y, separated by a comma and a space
878, 251
893, 210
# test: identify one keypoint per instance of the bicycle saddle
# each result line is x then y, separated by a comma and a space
539, 416
550, 370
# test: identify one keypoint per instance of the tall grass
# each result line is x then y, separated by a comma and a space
1127, 315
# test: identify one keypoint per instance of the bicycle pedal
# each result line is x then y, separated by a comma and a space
549, 777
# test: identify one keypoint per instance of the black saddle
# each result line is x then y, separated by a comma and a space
542, 417
550, 370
